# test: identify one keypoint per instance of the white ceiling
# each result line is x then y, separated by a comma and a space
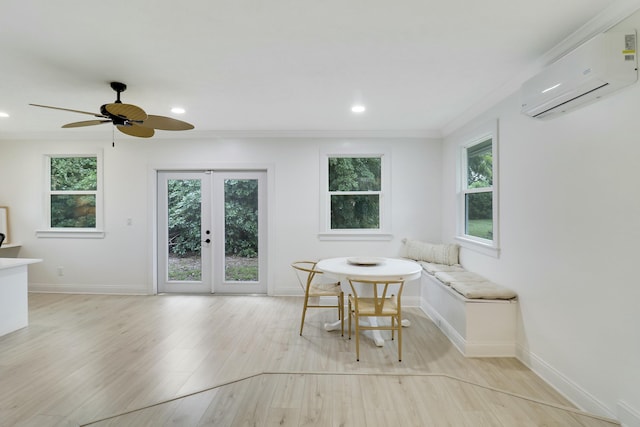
273, 66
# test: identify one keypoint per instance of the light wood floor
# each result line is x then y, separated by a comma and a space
212, 360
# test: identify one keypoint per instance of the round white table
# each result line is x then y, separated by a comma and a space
370, 268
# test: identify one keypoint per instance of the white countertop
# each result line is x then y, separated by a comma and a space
6, 263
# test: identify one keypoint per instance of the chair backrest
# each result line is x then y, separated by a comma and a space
305, 272
379, 290
2, 236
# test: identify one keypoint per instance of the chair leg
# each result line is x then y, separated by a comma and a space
349, 308
393, 327
399, 326
357, 319
341, 312
304, 311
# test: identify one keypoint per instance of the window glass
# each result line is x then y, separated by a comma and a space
74, 173
73, 188
354, 188
480, 165
355, 173
354, 211
479, 215
73, 211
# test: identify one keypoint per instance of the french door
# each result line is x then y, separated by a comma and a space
212, 232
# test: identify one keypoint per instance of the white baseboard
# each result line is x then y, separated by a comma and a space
413, 301
570, 390
290, 291
628, 416
132, 289
449, 331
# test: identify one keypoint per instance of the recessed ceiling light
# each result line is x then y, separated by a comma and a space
178, 110
3, 114
358, 108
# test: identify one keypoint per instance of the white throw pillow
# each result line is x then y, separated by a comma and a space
430, 252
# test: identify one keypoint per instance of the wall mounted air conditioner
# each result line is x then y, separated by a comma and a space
596, 68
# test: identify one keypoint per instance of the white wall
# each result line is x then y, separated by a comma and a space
569, 226
121, 262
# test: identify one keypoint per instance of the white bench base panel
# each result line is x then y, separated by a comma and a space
477, 327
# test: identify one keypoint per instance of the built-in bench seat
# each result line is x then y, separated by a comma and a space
477, 315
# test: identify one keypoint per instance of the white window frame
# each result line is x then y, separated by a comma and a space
348, 150
478, 136
96, 232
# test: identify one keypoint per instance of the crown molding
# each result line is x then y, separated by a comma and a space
220, 134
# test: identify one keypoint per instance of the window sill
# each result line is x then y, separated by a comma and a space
354, 236
480, 247
71, 233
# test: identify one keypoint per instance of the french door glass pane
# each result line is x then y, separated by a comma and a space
184, 229
241, 230
479, 209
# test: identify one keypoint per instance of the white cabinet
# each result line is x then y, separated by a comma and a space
14, 304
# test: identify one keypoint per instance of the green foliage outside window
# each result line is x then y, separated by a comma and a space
73, 211
480, 165
351, 179
184, 216
355, 174
479, 205
74, 182
353, 212
241, 217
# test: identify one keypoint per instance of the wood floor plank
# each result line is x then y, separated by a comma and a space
90, 357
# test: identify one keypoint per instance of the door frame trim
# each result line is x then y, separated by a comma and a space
152, 209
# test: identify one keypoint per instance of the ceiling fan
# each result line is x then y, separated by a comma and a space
128, 118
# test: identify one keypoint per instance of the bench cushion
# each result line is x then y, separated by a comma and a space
482, 290
433, 268
447, 277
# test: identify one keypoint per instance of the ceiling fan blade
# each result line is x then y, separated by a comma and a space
165, 123
68, 109
135, 130
85, 123
126, 111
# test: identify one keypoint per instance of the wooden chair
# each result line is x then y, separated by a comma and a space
314, 286
374, 299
